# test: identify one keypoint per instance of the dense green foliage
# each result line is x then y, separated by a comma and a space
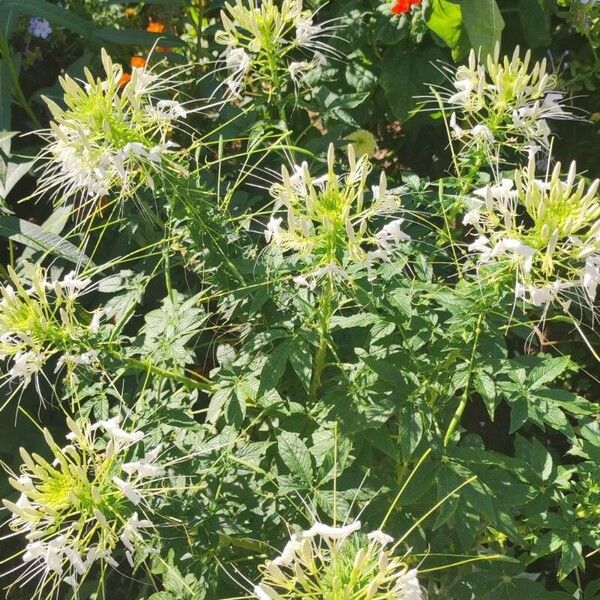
273, 270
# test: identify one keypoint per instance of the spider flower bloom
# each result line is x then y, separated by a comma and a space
271, 45
112, 137
328, 218
547, 230
39, 320
503, 103
332, 562
84, 504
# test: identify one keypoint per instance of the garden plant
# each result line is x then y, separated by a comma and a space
299, 299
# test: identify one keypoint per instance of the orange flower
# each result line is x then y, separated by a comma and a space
138, 62
401, 7
125, 79
130, 12
156, 27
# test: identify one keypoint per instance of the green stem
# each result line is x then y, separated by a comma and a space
465, 396
319, 364
16, 85
198, 382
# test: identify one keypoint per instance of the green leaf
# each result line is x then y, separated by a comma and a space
410, 431
407, 74
11, 173
571, 558
540, 460
446, 21
535, 20
8, 20
301, 361
274, 366
548, 371
35, 237
484, 24
5, 99
296, 457
486, 388
519, 414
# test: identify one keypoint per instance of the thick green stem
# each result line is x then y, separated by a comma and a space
465, 396
325, 321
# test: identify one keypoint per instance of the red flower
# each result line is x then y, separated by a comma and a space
401, 7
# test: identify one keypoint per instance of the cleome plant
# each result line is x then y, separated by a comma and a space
78, 509
338, 562
299, 300
110, 137
328, 218
271, 48
549, 227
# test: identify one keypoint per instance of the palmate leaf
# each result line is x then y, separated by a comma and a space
33, 236
64, 18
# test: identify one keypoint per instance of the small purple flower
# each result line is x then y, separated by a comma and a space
39, 28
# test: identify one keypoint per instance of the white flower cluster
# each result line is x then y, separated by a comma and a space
328, 217
267, 42
31, 319
75, 510
504, 103
109, 137
549, 229
327, 562
39, 321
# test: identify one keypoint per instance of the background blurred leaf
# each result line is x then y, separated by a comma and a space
484, 24
64, 18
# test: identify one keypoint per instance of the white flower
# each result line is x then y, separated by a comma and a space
590, 277
379, 537
261, 594
483, 132
95, 322
481, 244
39, 28
464, 86
306, 32
169, 110
333, 533
457, 131
273, 229
73, 285
408, 587
146, 466
119, 436
130, 531
330, 269
298, 180
391, 234
298, 68
87, 358
516, 247
237, 59
128, 490
26, 365
288, 554
472, 217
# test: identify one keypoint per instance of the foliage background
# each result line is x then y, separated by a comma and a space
407, 351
